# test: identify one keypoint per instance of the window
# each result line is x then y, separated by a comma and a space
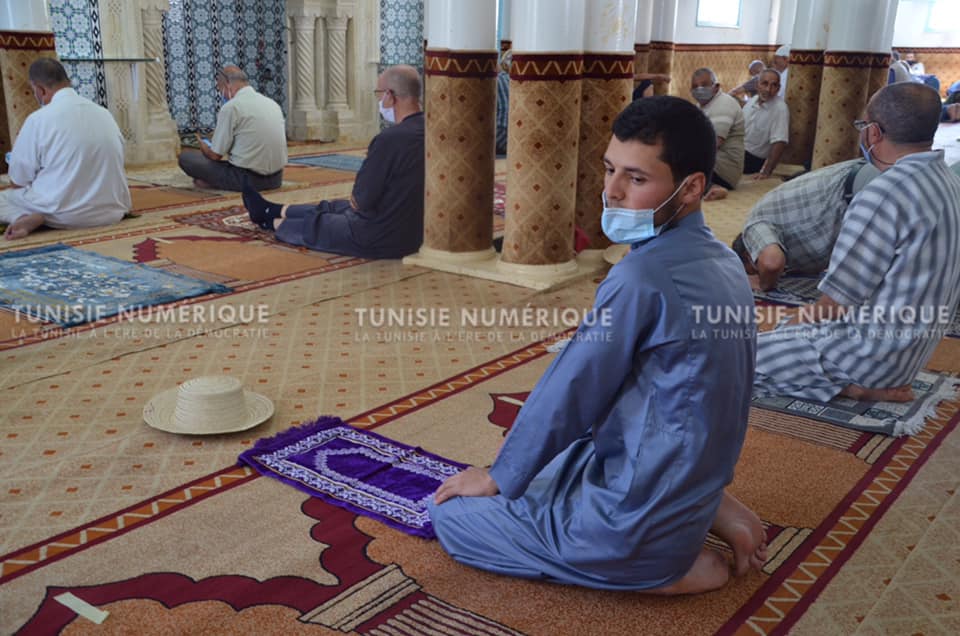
943, 16
720, 13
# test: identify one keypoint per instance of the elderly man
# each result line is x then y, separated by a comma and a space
793, 227
384, 216
67, 161
781, 62
727, 118
767, 121
749, 88
249, 144
894, 277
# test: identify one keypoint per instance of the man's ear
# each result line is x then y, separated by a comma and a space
694, 190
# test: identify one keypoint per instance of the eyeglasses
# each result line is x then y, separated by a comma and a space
378, 91
860, 124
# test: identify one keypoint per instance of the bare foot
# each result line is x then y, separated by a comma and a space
893, 394
715, 193
23, 226
742, 529
709, 572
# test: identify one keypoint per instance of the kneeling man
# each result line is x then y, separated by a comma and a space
616, 466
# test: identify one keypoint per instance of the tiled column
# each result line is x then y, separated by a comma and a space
545, 89
607, 87
461, 93
18, 50
806, 71
857, 50
662, 38
641, 47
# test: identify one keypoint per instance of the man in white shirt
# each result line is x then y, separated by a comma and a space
767, 120
249, 144
727, 118
67, 161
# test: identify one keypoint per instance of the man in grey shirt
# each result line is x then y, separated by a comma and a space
249, 143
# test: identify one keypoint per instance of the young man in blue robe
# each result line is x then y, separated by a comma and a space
615, 468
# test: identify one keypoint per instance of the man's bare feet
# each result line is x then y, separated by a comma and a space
715, 193
709, 572
23, 226
893, 394
742, 529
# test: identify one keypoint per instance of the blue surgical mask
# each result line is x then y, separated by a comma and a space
623, 225
223, 99
703, 94
387, 113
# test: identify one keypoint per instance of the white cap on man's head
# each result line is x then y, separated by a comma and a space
783, 51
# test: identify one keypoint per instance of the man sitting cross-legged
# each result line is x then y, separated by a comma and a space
894, 276
793, 227
616, 466
384, 216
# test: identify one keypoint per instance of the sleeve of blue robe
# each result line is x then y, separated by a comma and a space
580, 387
372, 177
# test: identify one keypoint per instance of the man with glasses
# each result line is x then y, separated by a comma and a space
893, 283
384, 216
249, 144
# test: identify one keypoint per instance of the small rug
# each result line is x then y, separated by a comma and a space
888, 418
363, 472
68, 286
336, 162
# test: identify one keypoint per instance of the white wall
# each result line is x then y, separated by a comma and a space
24, 15
909, 32
754, 25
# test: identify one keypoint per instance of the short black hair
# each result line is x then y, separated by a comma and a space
685, 132
908, 112
47, 72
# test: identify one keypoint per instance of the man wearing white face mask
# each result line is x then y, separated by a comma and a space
727, 118
249, 144
67, 161
893, 282
614, 485
384, 216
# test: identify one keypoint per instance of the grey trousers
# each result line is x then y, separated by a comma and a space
226, 176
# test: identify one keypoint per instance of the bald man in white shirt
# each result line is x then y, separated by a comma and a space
67, 162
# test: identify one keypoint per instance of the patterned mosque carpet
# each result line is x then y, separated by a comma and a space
170, 533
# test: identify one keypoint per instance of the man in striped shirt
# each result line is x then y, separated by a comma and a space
893, 283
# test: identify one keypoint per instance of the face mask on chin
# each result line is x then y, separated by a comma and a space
623, 225
388, 114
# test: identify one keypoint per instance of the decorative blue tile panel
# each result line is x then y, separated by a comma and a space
76, 31
401, 33
201, 36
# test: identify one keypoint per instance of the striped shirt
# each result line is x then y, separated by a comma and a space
896, 257
803, 217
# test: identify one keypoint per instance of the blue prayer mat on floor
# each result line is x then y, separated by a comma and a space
68, 286
888, 418
336, 162
361, 471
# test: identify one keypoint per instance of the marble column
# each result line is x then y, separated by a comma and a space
606, 90
161, 139
461, 64
662, 38
25, 35
806, 71
336, 27
304, 120
857, 50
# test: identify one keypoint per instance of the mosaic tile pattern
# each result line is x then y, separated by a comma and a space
200, 37
76, 27
401, 33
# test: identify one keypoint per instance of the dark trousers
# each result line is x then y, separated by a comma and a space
718, 180
752, 164
226, 176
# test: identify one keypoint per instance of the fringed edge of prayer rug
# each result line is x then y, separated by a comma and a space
268, 457
945, 392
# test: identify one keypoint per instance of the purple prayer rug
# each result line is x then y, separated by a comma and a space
363, 472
